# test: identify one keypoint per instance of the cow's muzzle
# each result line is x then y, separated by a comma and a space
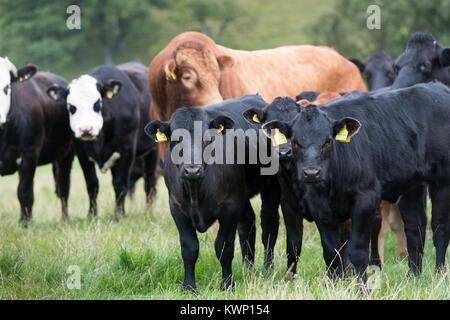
192, 172
311, 175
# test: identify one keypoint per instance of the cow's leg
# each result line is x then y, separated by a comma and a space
270, 220
396, 224
344, 238
332, 248
25, 188
247, 234
375, 258
150, 164
293, 221
120, 178
385, 208
363, 212
61, 172
224, 246
90, 176
189, 247
440, 220
413, 209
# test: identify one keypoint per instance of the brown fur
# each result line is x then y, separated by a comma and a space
222, 73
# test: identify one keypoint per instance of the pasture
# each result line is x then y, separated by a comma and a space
139, 257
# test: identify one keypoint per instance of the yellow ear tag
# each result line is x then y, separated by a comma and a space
109, 94
278, 138
255, 118
26, 77
220, 128
171, 75
343, 135
21, 79
160, 137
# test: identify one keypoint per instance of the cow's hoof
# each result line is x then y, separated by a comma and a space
227, 285
189, 289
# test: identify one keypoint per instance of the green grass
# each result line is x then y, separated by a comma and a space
139, 258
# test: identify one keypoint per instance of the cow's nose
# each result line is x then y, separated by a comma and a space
86, 131
286, 153
191, 172
311, 174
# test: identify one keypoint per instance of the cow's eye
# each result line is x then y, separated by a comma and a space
98, 106
72, 108
6, 88
396, 69
424, 67
326, 146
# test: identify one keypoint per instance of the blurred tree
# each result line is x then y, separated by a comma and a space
209, 13
345, 28
37, 29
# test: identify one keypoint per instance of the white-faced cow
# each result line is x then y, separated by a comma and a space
34, 130
108, 111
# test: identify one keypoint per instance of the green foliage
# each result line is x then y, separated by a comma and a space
344, 28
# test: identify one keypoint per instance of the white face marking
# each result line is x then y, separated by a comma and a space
83, 95
5, 87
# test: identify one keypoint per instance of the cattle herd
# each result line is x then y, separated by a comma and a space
353, 162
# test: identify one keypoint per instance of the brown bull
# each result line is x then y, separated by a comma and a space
192, 70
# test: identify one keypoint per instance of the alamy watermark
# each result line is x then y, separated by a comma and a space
374, 19
73, 22
74, 279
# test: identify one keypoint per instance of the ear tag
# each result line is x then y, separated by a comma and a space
109, 94
220, 128
278, 138
343, 135
26, 77
170, 76
21, 79
160, 137
255, 118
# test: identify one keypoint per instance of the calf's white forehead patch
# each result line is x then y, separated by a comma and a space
83, 94
5, 87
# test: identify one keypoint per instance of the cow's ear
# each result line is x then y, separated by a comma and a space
277, 131
169, 70
444, 57
361, 66
221, 123
225, 62
111, 88
254, 116
158, 130
24, 73
57, 93
345, 129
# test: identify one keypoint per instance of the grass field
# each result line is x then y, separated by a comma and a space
139, 258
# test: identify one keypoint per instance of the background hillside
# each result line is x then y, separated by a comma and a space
116, 31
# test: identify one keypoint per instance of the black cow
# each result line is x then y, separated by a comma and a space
205, 192
378, 70
34, 131
332, 237
423, 61
108, 111
400, 140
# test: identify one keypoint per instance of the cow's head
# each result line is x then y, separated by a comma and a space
84, 98
423, 61
313, 136
193, 75
8, 75
192, 124
378, 70
282, 109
